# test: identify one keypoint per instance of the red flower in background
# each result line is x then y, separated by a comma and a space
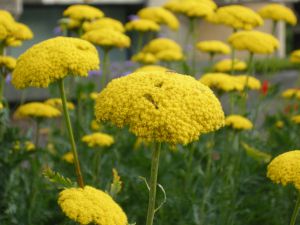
265, 87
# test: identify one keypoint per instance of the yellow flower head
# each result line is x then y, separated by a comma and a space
279, 124
36, 110
91, 206
7, 24
142, 25
226, 64
151, 68
105, 22
1, 106
295, 56
7, 62
254, 42
278, 12
285, 169
95, 126
68, 157
159, 15
57, 103
93, 95
29, 146
238, 17
291, 93
107, 38
83, 12
238, 122
296, 119
214, 47
226, 82
98, 140
160, 106
54, 59
192, 8
145, 58
22, 32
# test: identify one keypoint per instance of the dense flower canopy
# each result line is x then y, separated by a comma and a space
159, 15
107, 38
278, 12
214, 47
83, 12
98, 140
142, 25
160, 106
7, 62
54, 59
238, 122
105, 22
91, 206
36, 110
254, 41
238, 17
285, 169
226, 64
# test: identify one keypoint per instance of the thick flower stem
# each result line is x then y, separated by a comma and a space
140, 42
232, 56
296, 211
2, 80
37, 133
70, 132
153, 184
104, 77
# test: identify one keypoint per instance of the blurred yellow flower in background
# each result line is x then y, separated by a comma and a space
142, 25
57, 103
83, 12
98, 140
295, 56
296, 119
7, 62
291, 93
226, 64
105, 22
278, 12
68, 157
213, 47
238, 122
36, 110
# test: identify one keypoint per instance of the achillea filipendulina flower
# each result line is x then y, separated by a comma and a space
93, 95
160, 16
278, 12
1, 106
29, 146
296, 119
279, 124
98, 140
295, 56
36, 110
160, 106
254, 41
95, 126
226, 82
7, 24
192, 8
83, 12
238, 122
142, 25
105, 22
68, 157
238, 17
226, 64
57, 103
7, 62
291, 93
107, 38
91, 206
162, 44
151, 68
213, 47
21, 32
54, 59
145, 58
285, 169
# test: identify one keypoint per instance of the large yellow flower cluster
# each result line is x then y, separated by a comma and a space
295, 56
105, 22
238, 122
91, 206
291, 93
57, 103
285, 169
107, 38
54, 59
98, 140
214, 47
278, 12
142, 25
254, 42
83, 12
159, 15
151, 68
160, 49
225, 82
36, 110
238, 17
226, 64
192, 8
160, 106
13, 33
7, 62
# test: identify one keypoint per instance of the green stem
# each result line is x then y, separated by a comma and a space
37, 133
140, 42
153, 184
250, 64
232, 56
70, 132
104, 77
96, 164
194, 37
274, 26
2, 80
296, 211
